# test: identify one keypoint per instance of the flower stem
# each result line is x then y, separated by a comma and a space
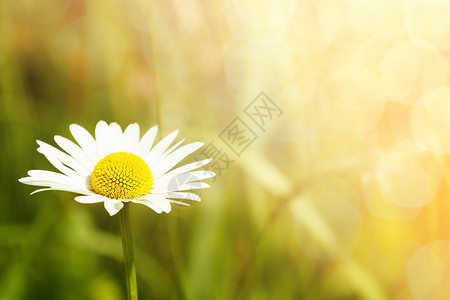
128, 254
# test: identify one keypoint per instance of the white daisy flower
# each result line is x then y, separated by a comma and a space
118, 167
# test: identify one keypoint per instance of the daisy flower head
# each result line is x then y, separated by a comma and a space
117, 167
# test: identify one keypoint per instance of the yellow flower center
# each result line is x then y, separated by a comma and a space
121, 175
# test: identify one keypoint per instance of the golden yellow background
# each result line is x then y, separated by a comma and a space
344, 196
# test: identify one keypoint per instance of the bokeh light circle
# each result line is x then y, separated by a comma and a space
428, 271
401, 182
428, 23
407, 71
352, 99
431, 122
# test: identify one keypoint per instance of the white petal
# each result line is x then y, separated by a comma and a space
184, 196
148, 204
40, 182
63, 162
115, 133
174, 187
40, 190
184, 169
146, 142
165, 154
200, 175
50, 185
184, 178
174, 158
181, 179
59, 187
159, 201
61, 167
103, 139
86, 142
64, 189
63, 157
76, 152
51, 177
90, 199
131, 138
152, 158
113, 206
179, 202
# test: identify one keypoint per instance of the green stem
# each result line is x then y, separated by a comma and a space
128, 254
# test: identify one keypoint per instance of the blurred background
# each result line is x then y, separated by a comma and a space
328, 122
